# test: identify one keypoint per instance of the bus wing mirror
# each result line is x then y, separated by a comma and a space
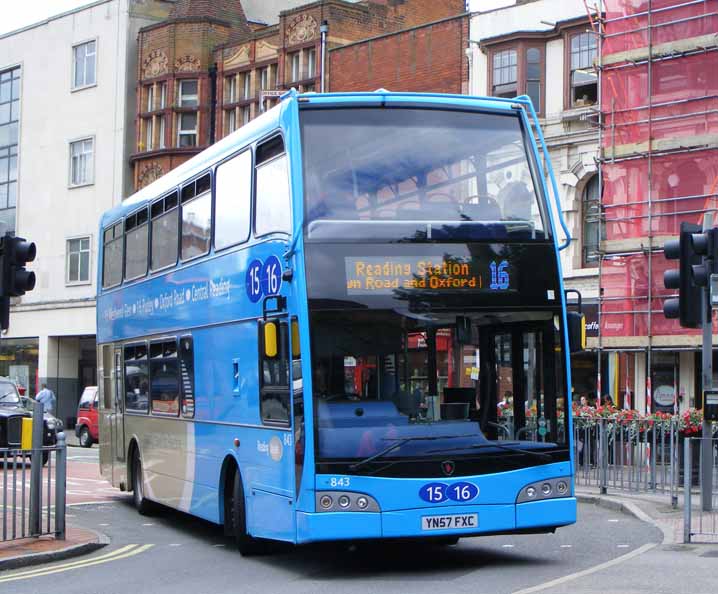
270, 340
576, 331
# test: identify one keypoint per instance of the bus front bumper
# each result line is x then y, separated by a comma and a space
534, 516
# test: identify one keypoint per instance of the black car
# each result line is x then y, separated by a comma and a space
12, 410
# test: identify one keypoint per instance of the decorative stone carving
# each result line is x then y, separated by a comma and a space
155, 64
236, 57
187, 64
265, 50
148, 174
302, 29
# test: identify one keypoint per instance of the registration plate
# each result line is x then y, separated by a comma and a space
450, 522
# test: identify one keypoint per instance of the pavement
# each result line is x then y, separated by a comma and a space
634, 546
84, 484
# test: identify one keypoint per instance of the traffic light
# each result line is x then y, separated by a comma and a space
687, 306
15, 279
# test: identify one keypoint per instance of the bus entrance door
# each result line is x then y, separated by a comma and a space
272, 500
117, 421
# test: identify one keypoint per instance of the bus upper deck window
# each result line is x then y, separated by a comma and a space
196, 217
232, 202
112, 256
273, 207
165, 229
136, 244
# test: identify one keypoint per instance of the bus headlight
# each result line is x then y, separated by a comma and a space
345, 501
548, 489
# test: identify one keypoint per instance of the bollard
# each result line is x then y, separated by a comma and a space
60, 486
36, 469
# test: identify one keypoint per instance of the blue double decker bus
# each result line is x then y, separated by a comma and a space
344, 321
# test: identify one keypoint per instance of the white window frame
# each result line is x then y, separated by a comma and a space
181, 132
311, 63
247, 85
163, 94
264, 78
231, 115
150, 98
295, 66
181, 96
231, 91
161, 132
85, 85
149, 132
68, 281
91, 180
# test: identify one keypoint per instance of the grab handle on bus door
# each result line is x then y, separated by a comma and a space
235, 376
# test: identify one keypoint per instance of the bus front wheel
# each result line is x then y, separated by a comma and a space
138, 489
235, 518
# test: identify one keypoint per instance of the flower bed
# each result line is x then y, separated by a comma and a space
689, 423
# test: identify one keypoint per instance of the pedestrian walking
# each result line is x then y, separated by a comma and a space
46, 397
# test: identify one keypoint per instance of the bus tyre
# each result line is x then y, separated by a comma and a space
142, 504
85, 439
236, 519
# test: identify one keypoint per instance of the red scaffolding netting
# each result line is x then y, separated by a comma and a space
659, 108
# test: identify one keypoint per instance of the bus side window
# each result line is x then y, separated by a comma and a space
165, 231
136, 378
274, 376
164, 377
136, 244
196, 201
273, 206
112, 256
187, 375
232, 203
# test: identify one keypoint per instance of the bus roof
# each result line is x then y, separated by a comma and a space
270, 120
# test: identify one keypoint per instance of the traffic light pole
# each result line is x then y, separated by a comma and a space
707, 354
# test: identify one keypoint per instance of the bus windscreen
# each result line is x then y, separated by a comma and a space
418, 175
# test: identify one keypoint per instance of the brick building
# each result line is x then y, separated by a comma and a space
214, 65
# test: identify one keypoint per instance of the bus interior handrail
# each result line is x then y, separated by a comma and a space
429, 224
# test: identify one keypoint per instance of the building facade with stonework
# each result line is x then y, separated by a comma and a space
67, 112
547, 50
213, 66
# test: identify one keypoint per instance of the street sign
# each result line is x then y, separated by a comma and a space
714, 290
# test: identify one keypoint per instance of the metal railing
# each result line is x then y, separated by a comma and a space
32, 493
628, 455
700, 515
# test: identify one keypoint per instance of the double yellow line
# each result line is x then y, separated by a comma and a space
121, 553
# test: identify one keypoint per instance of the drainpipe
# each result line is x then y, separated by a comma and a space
212, 102
323, 29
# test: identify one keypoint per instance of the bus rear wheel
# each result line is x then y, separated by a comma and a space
142, 504
235, 518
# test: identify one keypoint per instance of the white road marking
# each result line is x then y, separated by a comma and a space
566, 546
613, 520
507, 546
218, 545
175, 544
622, 546
148, 524
579, 574
103, 524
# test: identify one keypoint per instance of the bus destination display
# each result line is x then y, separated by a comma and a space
383, 275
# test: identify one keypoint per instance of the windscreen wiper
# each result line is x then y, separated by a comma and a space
401, 442
510, 446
